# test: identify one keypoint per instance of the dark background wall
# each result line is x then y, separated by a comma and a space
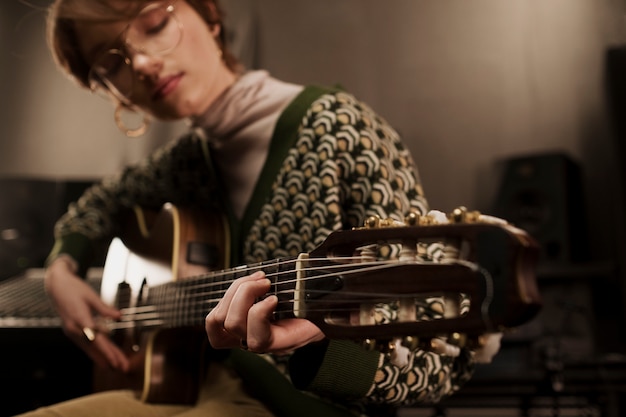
468, 85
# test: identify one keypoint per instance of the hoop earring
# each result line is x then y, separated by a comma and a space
130, 132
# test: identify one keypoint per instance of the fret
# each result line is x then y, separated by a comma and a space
185, 305
181, 303
196, 295
175, 302
241, 272
167, 305
170, 305
281, 274
152, 296
225, 280
192, 316
272, 270
181, 297
159, 295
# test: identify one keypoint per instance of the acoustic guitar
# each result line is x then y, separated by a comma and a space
170, 268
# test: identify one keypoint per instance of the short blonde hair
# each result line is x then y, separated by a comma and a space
62, 37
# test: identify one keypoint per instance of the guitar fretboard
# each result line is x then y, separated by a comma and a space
186, 302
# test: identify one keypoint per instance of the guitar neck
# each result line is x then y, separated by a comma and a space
186, 302
339, 285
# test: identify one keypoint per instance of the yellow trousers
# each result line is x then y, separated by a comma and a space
222, 395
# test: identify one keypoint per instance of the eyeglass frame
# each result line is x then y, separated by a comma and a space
97, 80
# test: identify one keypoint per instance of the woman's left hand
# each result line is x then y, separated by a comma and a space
239, 320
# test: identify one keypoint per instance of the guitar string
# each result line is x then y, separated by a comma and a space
150, 314
243, 271
155, 319
351, 269
205, 302
170, 307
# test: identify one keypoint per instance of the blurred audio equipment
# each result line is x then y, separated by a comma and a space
28, 210
543, 195
616, 92
616, 95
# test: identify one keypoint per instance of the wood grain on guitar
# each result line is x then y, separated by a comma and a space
168, 272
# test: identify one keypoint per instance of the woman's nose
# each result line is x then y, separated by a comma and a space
146, 65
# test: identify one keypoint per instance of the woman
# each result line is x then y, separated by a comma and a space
282, 161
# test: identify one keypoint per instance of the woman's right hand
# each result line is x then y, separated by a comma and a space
79, 305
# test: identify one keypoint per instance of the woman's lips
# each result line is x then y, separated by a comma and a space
165, 86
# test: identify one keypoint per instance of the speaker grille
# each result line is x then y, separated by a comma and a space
543, 195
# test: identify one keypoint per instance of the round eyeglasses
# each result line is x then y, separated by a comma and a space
155, 31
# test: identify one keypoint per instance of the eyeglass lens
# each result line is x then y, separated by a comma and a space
154, 31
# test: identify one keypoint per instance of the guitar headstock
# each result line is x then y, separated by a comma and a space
462, 275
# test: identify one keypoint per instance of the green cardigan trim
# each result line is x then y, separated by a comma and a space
77, 246
329, 375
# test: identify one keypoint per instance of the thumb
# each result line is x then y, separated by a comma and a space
103, 309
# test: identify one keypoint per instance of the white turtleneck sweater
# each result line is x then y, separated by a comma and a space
240, 125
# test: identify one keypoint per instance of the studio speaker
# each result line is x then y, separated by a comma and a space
543, 195
28, 210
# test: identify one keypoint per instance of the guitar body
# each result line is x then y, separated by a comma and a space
157, 248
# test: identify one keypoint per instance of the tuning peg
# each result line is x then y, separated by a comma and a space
457, 339
413, 219
369, 344
411, 342
371, 222
386, 346
463, 215
389, 347
375, 221
451, 346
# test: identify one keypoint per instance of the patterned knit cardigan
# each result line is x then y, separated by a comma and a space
332, 163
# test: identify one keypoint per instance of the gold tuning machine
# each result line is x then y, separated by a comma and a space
459, 215
369, 344
373, 222
411, 342
448, 345
463, 215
